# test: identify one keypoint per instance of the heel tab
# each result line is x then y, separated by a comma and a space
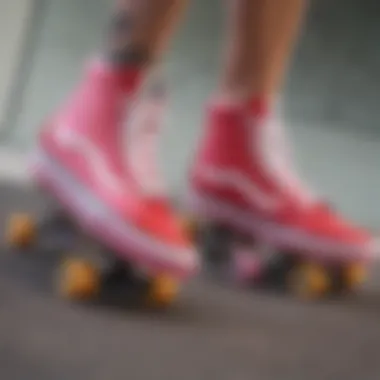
127, 78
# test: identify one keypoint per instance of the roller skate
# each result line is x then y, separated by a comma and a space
256, 224
107, 195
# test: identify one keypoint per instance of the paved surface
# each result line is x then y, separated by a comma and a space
212, 333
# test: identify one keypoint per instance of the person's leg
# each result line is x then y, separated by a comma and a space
140, 30
260, 38
242, 172
101, 140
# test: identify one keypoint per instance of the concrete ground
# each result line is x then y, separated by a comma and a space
212, 333
331, 106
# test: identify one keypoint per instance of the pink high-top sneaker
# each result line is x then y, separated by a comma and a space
242, 177
95, 156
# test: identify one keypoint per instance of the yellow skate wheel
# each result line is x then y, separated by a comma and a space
78, 280
21, 231
162, 291
309, 281
354, 275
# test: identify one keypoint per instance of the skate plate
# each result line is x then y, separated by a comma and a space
88, 269
235, 259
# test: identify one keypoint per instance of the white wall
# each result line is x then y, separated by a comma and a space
14, 16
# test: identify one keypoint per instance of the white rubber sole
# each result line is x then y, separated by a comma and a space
279, 237
109, 228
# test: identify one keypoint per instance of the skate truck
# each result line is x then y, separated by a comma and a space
237, 259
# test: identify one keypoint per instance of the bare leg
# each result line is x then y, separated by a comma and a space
261, 34
140, 29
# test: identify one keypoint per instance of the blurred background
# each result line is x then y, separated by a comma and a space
331, 102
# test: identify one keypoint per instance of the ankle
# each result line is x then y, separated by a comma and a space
130, 56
